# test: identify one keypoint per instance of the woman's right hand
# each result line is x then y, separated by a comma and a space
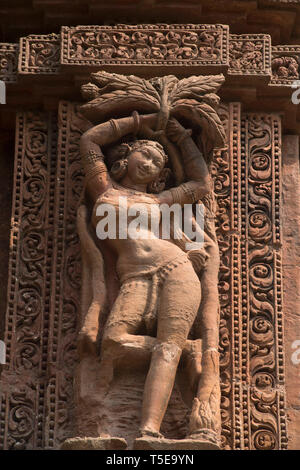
174, 130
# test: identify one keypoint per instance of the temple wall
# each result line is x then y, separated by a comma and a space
258, 51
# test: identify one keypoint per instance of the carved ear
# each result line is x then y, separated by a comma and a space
158, 185
119, 169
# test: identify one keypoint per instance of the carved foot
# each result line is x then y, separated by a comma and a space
94, 443
149, 433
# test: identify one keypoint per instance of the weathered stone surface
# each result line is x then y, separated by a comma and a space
276, 17
244, 381
66, 58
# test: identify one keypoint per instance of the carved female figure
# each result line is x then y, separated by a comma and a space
160, 283
138, 261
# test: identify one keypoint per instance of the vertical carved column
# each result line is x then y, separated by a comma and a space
28, 311
227, 189
262, 322
66, 279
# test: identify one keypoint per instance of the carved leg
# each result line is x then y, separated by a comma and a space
205, 416
176, 313
192, 359
87, 338
120, 344
158, 386
122, 348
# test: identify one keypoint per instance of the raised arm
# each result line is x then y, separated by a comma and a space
195, 168
97, 179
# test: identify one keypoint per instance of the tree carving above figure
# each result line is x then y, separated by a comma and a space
193, 99
151, 142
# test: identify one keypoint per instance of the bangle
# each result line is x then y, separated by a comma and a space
116, 129
183, 193
97, 170
136, 122
92, 157
176, 194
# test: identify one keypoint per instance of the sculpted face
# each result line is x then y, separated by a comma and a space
144, 165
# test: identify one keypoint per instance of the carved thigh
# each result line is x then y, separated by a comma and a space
178, 304
128, 310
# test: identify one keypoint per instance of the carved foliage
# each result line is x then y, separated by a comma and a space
247, 188
145, 44
220, 172
246, 54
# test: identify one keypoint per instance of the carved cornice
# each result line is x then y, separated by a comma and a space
165, 45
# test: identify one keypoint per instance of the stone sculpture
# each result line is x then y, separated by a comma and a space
150, 302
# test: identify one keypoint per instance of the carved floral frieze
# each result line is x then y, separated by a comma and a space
146, 44
250, 54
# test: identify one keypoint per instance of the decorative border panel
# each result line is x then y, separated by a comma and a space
39, 54
285, 65
66, 279
262, 323
225, 170
145, 44
8, 62
250, 54
31, 248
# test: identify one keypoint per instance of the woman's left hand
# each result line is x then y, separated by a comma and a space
148, 126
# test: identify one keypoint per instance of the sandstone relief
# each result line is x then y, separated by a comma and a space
148, 343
